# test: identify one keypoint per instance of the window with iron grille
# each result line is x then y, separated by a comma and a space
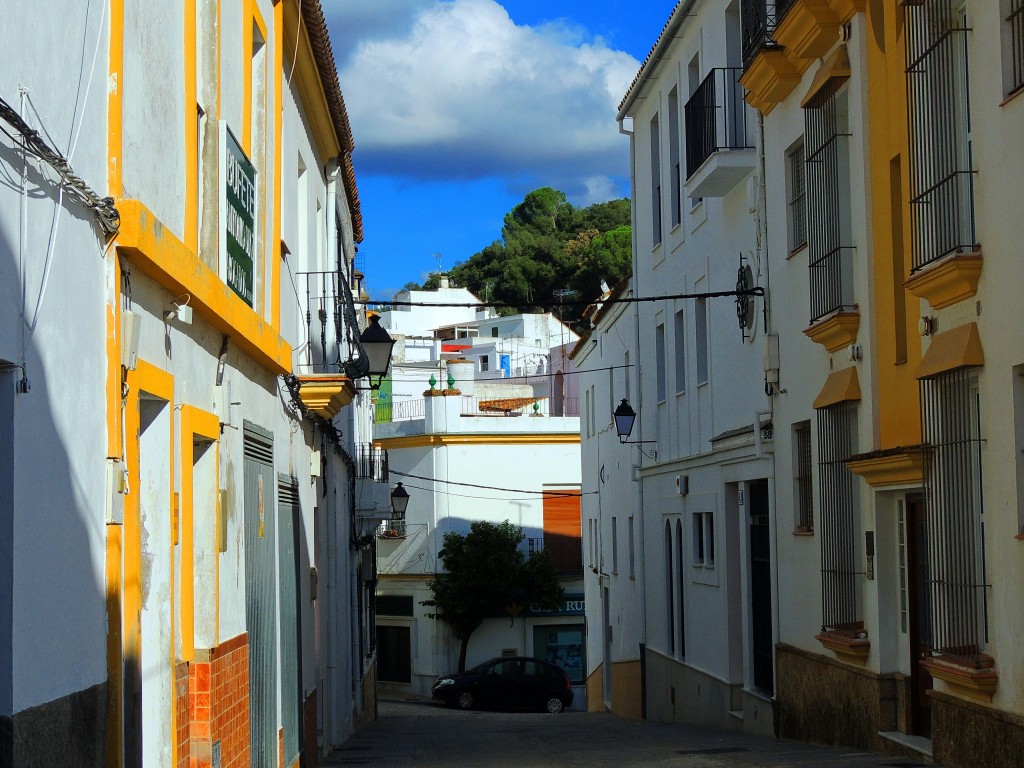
941, 168
655, 181
954, 579
1014, 43
796, 198
827, 189
838, 524
802, 480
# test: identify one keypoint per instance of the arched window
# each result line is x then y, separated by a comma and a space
669, 591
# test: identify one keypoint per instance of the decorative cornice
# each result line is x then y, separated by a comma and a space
769, 79
809, 29
946, 282
903, 466
326, 395
835, 331
973, 682
847, 9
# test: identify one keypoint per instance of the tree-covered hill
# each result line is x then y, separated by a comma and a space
547, 248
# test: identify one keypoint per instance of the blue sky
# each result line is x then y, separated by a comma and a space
461, 107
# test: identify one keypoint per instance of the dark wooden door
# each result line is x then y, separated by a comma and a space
761, 587
917, 610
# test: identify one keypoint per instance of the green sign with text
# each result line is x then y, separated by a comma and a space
238, 217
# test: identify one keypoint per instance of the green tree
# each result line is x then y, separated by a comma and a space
487, 574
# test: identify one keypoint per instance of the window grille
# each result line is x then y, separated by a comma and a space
797, 199
802, 481
941, 175
954, 569
371, 463
1016, 23
830, 255
716, 117
838, 525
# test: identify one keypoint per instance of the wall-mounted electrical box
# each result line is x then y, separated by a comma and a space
130, 323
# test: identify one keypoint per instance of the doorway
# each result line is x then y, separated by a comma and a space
918, 612
761, 588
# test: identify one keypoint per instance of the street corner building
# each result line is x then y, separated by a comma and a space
818, 531
184, 428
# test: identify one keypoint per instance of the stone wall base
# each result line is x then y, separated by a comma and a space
973, 735
70, 730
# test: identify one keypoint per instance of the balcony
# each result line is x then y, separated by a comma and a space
413, 409
371, 463
719, 149
325, 388
566, 552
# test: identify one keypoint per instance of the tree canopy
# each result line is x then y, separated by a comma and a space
487, 574
548, 245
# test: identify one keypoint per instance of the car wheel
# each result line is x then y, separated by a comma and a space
554, 705
465, 700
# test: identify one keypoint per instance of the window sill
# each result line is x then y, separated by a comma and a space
963, 678
796, 251
1018, 91
847, 647
803, 531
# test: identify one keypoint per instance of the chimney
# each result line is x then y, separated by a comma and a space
442, 282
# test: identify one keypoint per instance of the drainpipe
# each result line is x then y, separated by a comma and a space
636, 324
762, 246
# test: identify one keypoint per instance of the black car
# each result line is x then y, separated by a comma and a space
507, 682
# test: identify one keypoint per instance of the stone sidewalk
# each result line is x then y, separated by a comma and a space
426, 735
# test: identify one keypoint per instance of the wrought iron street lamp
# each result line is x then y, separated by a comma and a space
624, 417
399, 502
378, 345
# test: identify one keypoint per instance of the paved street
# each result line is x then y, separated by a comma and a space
421, 734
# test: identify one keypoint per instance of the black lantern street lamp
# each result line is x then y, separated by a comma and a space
378, 344
624, 417
399, 502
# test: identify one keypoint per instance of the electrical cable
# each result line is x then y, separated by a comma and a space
32, 143
546, 494
755, 291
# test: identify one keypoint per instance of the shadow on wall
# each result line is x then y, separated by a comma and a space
53, 642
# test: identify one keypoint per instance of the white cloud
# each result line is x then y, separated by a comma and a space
455, 90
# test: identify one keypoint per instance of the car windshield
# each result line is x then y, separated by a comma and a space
478, 668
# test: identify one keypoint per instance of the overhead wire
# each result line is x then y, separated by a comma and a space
545, 494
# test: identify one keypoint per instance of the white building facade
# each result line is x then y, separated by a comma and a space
185, 576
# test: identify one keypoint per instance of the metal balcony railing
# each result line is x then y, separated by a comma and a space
410, 410
757, 18
716, 117
392, 529
324, 323
371, 463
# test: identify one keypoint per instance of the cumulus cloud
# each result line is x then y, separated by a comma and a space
455, 90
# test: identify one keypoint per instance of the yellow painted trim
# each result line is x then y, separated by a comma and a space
836, 67
966, 682
847, 9
892, 469
191, 233
848, 649
959, 347
326, 395
150, 379
115, 99
808, 30
115, 534
306, 78
840, 386
194, 423
835, 331
156, 252
435, 441
275, 245
951, 280
250, 16
769, 79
